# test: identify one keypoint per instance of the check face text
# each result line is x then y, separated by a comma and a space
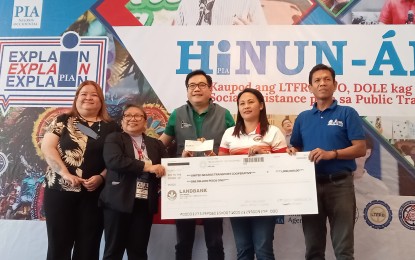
238, 185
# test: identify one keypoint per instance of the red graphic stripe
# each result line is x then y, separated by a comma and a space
116, 14
281, 150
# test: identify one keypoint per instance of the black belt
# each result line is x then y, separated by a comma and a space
332, 177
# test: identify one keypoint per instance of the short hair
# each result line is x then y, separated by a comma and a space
263, 120
321, 67
102, 113
128, 106
286, 119
198, 72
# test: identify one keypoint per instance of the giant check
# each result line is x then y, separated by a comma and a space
238, 185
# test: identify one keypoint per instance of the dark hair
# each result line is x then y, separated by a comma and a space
198, 72
263, 120
128, 106
102, 113
321, 67
286, 119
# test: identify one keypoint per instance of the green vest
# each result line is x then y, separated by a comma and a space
213, 126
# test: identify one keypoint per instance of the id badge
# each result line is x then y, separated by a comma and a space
141, 191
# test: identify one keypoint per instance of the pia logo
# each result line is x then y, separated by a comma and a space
27, 14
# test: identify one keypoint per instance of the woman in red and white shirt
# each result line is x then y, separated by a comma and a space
252, 135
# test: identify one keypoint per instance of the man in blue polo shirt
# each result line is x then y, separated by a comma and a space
334, 136
199, 118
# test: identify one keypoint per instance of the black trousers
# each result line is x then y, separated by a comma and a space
185, 231
127, 231
73, 221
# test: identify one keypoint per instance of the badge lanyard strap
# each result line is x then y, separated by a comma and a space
139, 149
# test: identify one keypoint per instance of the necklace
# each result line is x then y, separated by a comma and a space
89, 121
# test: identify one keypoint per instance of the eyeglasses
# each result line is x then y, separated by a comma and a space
128, 117
201, 85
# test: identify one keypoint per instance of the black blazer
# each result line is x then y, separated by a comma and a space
123, 170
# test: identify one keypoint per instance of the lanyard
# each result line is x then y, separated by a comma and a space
87, 131
140, 149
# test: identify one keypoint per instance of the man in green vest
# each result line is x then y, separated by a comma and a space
198, 119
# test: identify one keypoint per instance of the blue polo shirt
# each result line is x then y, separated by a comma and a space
333, 128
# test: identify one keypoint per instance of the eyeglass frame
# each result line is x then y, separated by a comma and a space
136, 116
192, 86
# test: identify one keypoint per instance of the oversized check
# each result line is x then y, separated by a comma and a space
238, 185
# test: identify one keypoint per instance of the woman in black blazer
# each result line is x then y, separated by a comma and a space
130, 195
